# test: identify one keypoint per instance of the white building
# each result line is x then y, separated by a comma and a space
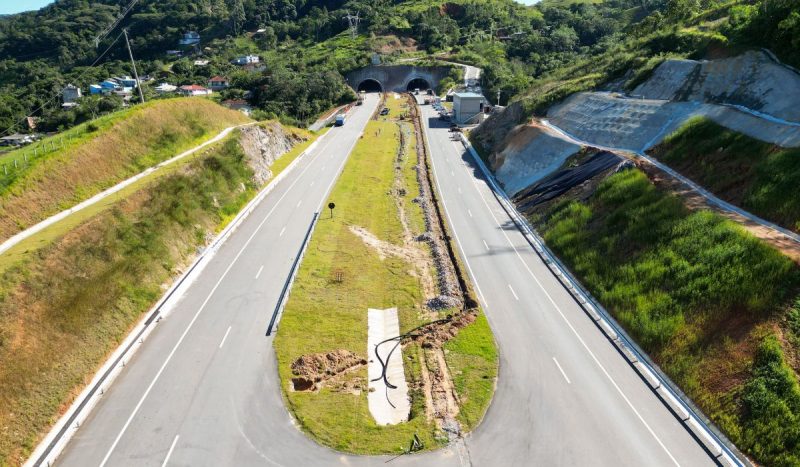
164, 88
467, 107
246, 60
70, 95
194, 90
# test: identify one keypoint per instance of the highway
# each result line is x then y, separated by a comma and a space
203, 390
565, 396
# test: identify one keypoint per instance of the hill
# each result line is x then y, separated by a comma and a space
99, 154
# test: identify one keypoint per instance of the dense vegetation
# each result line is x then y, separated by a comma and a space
699, 295
71, 303
747, 172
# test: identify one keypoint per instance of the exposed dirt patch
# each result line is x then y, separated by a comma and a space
310, 372
391, 44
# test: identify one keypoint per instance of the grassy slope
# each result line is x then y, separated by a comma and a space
99, 154
697, 292
757, 176
337, 312
68, 305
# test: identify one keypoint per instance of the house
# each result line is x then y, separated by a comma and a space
246, 60
109, 86
201, 63
70, 94
17, 140
126, 82
467, 106
218, 83
175, 53
194, 90
190, 38
238, 104
95, 89
164, 88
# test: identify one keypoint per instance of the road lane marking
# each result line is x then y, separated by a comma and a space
282, 231
459, 190
486, 245
512, 292
561, 370
312, 183
225, 337
202, 307
575, 332
171, 448
259, 271
452, 174
299, 203
469, 212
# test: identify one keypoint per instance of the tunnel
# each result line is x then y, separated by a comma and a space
418, 83
370, 85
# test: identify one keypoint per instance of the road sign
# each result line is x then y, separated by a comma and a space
331, 205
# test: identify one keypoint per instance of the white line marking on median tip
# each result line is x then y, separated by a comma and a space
561, 370
171, 448
486, 245
259, 271
282, 231
225, 337
512, 292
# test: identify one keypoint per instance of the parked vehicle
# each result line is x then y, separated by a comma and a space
385, 111
416, 91
340, 120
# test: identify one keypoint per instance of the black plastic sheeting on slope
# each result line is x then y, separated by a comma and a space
560, 182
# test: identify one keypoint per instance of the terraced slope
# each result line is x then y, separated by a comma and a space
101, 153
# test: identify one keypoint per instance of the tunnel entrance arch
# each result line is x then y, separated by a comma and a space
418, 83
370, 85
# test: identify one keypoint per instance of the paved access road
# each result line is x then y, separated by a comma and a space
565, 396
204, 390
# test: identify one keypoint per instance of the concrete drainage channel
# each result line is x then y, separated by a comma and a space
714, 442
57, 438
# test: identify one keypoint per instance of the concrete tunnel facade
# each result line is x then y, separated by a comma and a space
397, 78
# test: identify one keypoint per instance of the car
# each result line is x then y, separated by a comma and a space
444, 117
385, 111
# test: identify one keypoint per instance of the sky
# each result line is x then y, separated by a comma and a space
15, 6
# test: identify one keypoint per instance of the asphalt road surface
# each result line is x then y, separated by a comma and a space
204, 390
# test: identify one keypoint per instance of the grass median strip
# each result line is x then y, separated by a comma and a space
368, 256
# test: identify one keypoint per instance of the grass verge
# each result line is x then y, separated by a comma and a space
68, 305
757, 176
99, 154
324, 313
697, 292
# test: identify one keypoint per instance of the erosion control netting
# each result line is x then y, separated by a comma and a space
560, 182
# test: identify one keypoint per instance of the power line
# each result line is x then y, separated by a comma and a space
353, 22
116, 22
58, 93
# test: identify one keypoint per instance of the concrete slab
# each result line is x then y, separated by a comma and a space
388, 406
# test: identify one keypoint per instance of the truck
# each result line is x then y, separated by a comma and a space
361, 96
339, 120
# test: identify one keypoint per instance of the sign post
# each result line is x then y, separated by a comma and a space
331, 205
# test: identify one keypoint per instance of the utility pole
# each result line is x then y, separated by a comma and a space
498, 97
135, 73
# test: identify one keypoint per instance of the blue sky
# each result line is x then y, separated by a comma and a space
11, 6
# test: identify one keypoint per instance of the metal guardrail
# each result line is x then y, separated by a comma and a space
698, 425
292, 275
